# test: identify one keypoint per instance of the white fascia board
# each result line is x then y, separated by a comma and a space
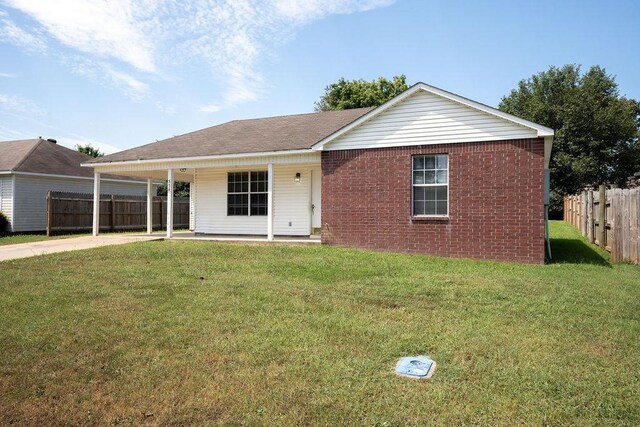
47, 175
542, 131
199, 158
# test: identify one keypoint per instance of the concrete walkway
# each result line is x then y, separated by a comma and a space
25, 250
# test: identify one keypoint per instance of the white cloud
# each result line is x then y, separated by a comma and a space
32, 128
229, 37
166, 109
105, 73
232, 37
13, 103
7, 133
11, 33
132, 86
303, 11
105, 28
7, 75
212, 108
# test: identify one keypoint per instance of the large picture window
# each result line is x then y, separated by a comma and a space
431, 185
247, 193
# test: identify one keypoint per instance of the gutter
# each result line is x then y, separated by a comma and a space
199, 158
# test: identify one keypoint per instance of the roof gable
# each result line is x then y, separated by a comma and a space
427, 115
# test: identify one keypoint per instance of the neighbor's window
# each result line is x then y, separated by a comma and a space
247, 193
431, 185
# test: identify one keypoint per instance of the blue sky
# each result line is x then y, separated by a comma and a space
123, 73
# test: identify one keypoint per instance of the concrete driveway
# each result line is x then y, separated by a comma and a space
25, 250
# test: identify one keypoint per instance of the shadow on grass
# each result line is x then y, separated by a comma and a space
576, 251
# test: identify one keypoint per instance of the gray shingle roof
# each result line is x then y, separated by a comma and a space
295, 132
45, 157
41, 156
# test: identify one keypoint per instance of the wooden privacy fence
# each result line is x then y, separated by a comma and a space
608, 218
67, 212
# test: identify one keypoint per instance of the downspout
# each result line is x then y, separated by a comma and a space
546, 215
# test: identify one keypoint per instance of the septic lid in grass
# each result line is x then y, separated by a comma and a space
420, 367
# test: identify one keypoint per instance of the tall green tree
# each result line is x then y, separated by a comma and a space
596, 139
347, 94
180, 189
89, 150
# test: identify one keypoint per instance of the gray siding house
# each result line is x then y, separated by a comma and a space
29, 169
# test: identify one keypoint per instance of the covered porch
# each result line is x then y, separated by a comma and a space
269, 198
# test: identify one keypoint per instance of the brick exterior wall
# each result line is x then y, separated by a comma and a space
496, 209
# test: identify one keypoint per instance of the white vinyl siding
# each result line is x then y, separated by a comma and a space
30, 202
192, 198
291, 203
6, 197
425, 118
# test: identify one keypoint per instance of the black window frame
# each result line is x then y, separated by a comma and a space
247, 193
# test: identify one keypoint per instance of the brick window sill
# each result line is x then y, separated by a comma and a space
430, 218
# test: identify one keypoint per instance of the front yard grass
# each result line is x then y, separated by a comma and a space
14, 239
187, 333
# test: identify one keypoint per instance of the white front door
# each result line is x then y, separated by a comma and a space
316, 198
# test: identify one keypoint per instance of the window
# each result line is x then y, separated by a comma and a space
247, 193
431, 185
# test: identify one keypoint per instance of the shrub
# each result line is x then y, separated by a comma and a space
4, 224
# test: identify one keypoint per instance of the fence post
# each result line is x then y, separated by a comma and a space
576, 209
49, 213
583, 213
113, 213
616, 226
602, 207
590, 221
626, 225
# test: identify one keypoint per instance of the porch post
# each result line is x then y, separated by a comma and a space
169, 203
96, 203
270, 202
149, 206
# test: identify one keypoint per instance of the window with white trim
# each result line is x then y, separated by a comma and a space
247, 193
430, 175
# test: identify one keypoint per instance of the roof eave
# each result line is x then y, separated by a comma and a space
198, 158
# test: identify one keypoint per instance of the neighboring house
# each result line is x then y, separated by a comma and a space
31, 168
428, 172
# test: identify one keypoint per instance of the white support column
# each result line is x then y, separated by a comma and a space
149, 206
96, 203
270, 202
169, 203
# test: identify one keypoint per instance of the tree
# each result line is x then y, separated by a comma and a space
347, 94
596, 139
180, 189
88, 149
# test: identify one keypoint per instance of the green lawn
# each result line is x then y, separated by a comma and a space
187, 333
13, 239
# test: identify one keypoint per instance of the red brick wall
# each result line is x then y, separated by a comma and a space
495, 201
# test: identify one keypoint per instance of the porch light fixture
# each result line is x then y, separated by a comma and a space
183, 169
297, 178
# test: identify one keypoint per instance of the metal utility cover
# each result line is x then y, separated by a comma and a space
420, 367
